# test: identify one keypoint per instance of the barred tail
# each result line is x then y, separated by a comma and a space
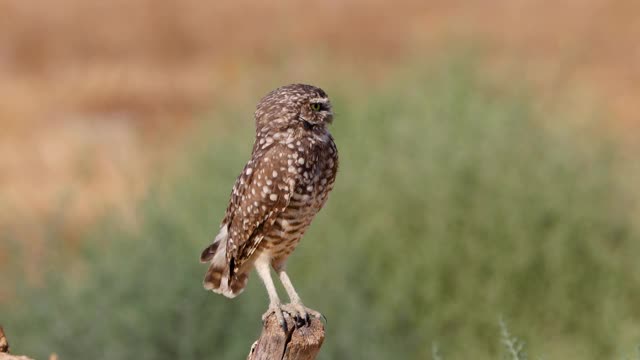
217, 277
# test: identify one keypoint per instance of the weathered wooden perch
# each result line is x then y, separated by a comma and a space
297, 343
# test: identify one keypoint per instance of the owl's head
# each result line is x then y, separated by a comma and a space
294, 105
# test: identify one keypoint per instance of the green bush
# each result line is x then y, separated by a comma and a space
453, 205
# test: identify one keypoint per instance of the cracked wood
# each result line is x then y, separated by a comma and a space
297, 343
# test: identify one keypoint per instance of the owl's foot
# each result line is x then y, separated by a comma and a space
300, 313
296, 311
275, 309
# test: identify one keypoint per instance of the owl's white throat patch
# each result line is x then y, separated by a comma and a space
322, 136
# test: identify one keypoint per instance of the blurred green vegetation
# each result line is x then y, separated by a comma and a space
454, 206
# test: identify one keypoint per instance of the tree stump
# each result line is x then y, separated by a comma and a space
297, 343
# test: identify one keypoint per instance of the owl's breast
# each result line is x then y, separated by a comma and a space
314, 164
319, 171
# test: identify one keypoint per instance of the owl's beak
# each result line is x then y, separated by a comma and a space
307, 125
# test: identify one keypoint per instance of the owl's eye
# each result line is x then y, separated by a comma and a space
316, 106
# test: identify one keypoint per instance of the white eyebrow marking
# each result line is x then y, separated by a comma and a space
319, 100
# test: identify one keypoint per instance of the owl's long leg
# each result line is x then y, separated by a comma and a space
263, 269
296, 305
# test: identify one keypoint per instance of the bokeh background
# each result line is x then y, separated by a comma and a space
488, 171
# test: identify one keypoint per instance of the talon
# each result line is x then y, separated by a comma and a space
303, 320
300, 313
277, 311
283, 325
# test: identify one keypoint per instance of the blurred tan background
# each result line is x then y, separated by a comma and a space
94, 95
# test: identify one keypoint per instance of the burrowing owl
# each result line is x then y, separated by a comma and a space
283, 186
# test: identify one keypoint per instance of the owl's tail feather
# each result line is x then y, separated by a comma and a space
217, 278
209, 252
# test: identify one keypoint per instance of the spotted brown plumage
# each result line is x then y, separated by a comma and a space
282, 187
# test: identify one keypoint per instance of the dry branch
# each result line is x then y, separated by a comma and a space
297, 343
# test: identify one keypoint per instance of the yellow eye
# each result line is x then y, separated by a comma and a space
316, 106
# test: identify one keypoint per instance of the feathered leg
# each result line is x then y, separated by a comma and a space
262, 266
295, 307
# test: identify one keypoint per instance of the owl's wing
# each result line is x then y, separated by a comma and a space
261, 192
